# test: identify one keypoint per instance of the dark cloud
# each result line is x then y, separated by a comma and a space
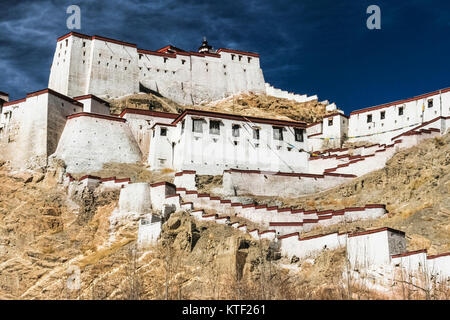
310, 46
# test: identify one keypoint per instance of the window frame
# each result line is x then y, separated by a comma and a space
301, 131
211, 129
280, 129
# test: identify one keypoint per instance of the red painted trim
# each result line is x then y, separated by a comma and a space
6, 104
375, 231
336, 114
315, 135
375, 206
91, 96
310, 221
317, 236
423, 96
95, 115
225, 201
163, 124
191, 192
297, 124
406, 133
185, 172
409, 253
210, 215
248, 206
214, 198
89, 177
251, 54
128, 44
54, 93
203, 195
75, 34
439, 255
164, 183
108, 179
285, 224
236, 204
180, 189
289, 236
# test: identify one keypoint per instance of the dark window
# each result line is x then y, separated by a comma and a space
163, 131
330, 122
369, 118
256, 134
400, 111
240, 58
278, 133
183, 61
232, 57
298, 134
382, 115
249, 59
235, 130
182, 127
197, 125
214, 127
140, 56
430, 103
84, 44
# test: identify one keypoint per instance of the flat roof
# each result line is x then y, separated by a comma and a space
276, 122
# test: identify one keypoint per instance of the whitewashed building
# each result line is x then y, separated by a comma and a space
210, 142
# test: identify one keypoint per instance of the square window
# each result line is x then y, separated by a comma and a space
369, 118
197, 125
163, 132
235, 130
330, 122
298, 134
214, 127
278, 133
430, 103
256, 134
382, 115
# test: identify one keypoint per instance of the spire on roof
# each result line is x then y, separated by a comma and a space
205, 48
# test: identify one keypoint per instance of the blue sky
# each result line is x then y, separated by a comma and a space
306, 46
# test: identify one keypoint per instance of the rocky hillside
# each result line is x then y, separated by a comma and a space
244, 104
414, 184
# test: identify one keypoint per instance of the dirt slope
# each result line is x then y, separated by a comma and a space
244, 104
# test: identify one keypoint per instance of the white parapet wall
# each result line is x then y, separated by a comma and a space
185, 179
91, 140
375, 247
278, 93
135, 198
149, 231
265, 183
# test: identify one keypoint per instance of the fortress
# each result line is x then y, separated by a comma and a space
71, 121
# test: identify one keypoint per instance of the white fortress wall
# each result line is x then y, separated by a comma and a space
148, 232
32, 127
375, 247
263, 183
104, 66
141, 122
208, 151
439, 265
401, 116
185, 179
94, 104
89, 141
135, 198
